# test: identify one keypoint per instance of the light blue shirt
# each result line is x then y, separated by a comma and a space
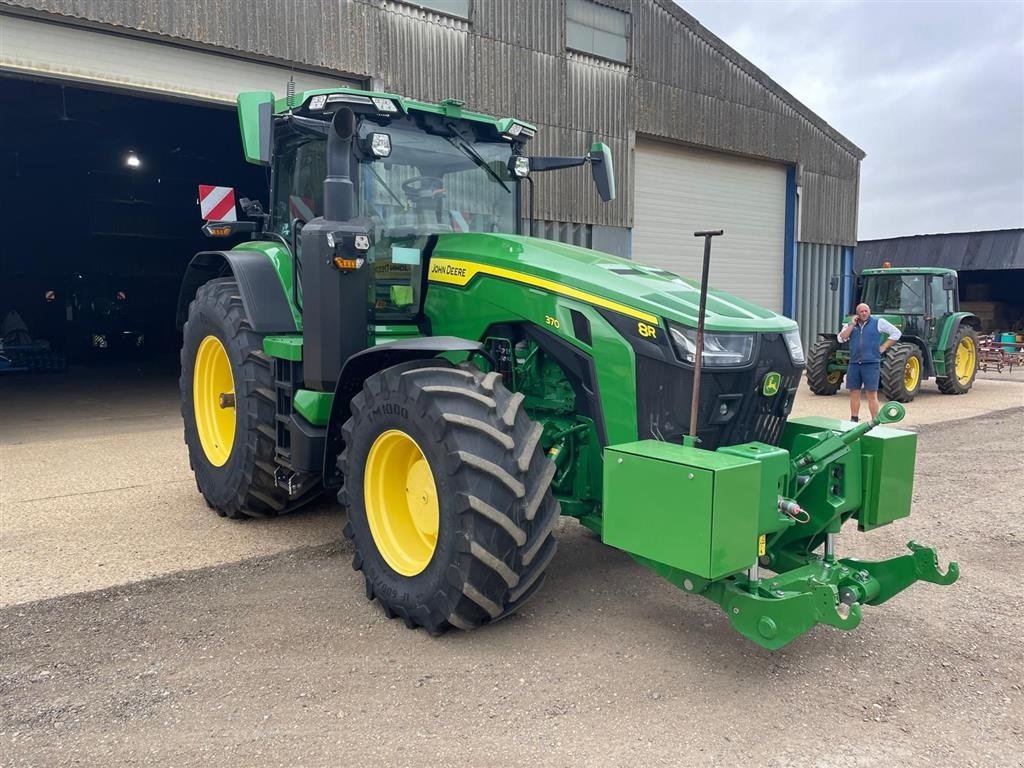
884, 326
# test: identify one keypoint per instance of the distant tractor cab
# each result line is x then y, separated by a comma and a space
939, 341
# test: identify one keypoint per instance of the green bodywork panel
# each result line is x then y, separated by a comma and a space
283, 347
282, 261
644, 290
687, 508
478, 280
249, 122
250, 101
949, 327
314, 406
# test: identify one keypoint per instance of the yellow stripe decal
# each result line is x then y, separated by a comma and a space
457, 272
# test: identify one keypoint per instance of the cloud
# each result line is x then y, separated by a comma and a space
932, 91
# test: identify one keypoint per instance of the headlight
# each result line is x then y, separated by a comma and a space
520, 166
796, 349
380, 144
720, 349
384, 105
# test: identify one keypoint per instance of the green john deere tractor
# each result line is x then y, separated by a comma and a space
938, 340
385, 333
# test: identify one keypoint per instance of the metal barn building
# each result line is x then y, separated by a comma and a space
702, 139
989, 265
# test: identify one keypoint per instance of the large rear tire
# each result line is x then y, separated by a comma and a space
902, 371
228, 405
819, 378
962, 361
448, 493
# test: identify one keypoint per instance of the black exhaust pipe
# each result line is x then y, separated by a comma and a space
334, 302
339, 194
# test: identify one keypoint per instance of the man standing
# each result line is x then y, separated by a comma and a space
864, 333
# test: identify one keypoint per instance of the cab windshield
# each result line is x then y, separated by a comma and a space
429, 184
895, 294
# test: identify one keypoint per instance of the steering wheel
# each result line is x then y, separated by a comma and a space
422, 187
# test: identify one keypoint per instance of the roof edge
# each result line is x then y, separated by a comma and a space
1019, 230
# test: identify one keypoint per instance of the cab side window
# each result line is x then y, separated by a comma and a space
940, 298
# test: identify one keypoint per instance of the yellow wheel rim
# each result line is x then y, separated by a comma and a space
912, 374
213, 401
401, 502
834, 377
966, 359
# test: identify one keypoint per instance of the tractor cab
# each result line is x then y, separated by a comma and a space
917, 301
938, 340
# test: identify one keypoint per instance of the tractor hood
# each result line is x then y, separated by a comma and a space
585, 272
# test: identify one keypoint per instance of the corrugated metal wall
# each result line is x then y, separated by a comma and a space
684, 84
819, 308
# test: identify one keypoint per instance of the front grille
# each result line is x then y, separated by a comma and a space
664, 391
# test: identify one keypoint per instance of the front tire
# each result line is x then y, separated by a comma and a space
819, 378
448, 492
902, 371
961, 363
228, 406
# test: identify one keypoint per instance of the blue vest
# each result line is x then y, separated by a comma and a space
865, 341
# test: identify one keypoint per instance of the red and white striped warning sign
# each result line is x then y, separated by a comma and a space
217, 203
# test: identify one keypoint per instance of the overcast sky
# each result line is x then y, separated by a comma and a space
933, 92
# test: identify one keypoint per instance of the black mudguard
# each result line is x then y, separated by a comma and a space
368, 362
263, 296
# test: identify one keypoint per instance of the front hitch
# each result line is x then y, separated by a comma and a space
773, 612
894, 575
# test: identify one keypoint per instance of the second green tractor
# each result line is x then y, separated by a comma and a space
938, 340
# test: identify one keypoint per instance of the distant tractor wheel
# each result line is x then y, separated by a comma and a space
449, 495
962, 361
227, 403
820, 379
902, 371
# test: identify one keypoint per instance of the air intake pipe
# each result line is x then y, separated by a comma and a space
339, 194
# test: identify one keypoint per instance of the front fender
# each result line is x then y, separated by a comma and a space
263, 296
368, 362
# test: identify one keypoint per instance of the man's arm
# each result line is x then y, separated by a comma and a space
894, 334
845, 332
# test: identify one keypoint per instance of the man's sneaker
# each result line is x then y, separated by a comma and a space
855, 418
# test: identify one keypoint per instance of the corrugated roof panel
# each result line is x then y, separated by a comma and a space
962, 251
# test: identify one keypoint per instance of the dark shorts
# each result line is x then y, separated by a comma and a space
863, 375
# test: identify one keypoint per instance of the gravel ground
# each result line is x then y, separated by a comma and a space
277, 659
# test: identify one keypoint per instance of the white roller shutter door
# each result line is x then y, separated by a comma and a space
680, 191
40, 48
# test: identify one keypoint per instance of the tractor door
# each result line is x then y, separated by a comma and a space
940, 306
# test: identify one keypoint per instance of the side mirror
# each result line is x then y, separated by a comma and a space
256, 118
602, 170
949, 282
860, 281
833, 282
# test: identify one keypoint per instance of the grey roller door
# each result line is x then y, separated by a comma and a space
681, 190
